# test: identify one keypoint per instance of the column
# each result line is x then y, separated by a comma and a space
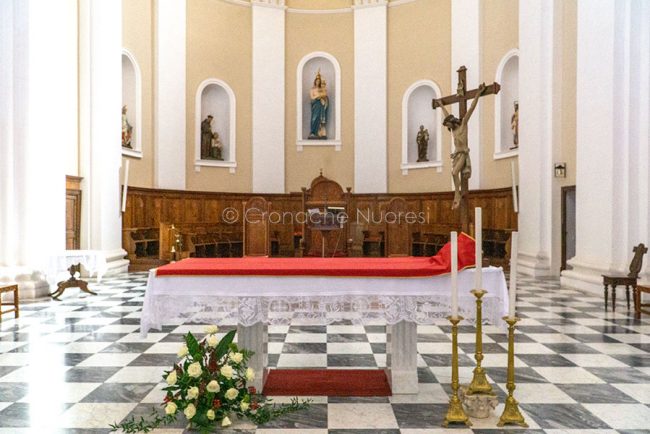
370, 100
38, 43
170, 94
612, 139
268, 100
100, 100
466, 50
538, 101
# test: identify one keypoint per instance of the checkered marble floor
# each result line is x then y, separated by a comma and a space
78, 365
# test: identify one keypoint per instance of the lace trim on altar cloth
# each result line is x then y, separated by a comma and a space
179, 309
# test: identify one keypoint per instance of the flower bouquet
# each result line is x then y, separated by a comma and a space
208, 386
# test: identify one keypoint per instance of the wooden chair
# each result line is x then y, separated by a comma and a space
398, 231
16, 309
629, 280
256, 226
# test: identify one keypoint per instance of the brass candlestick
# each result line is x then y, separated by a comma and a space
455, 413
511, 414
479, 384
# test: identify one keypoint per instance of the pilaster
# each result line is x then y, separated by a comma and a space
268, 100
370, 97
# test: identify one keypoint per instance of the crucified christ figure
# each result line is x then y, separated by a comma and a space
461, 164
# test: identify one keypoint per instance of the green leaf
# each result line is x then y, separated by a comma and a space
224, 344
193, 346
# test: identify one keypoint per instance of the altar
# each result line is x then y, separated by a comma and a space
255, 292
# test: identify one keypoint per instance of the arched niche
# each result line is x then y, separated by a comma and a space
214, 97
132, 99
416, 111
504, 105
330, 71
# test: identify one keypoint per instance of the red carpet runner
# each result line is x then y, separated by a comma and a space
327, 382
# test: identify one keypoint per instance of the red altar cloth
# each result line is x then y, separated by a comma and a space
337, 267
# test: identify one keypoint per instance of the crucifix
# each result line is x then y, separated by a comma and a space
461, 165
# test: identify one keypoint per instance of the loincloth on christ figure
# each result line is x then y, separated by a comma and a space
466, 171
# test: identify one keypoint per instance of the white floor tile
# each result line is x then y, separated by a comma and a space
361, 416
622, 416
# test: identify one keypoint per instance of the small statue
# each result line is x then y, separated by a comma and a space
217, 147
127, 130
423, 144
206, 137
514, 126
319, 108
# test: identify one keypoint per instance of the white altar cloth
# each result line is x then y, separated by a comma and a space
247, 300
94, 262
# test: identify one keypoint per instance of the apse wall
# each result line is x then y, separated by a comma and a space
419, 48
499, 36
137, 38
332, 33
219, 46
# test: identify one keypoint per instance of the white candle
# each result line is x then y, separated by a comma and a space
513, 274
515, 202
126, 185
478, 235
454, 274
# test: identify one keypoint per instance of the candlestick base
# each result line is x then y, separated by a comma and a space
479, 384
455, 412
511, 414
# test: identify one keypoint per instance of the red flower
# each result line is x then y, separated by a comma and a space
216, 403
254, 405
252, 390
167, 399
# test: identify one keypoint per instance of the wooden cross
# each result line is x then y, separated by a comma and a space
461, 97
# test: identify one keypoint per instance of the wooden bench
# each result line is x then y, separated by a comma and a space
4, 288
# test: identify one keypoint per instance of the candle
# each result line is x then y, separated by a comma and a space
126, 185
478, 235
454, 274
515, 202
513, 274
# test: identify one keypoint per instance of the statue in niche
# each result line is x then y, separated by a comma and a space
206, 138
217, 148
127, 130
423, 144
319, 107
514, 126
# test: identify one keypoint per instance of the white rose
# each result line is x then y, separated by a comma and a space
171, 378
244, 406
250, 374
192, 393
213, 386
194, 370
236, 357
183, 351
190, 411
231, 393
211, 329
210, 414
227, 371
212, 341
170, 408
226, 422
